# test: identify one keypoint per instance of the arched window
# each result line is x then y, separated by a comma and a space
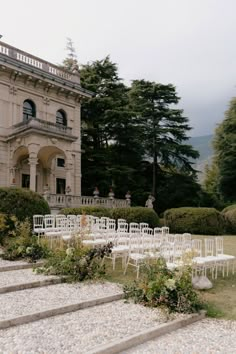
61, 118
29, 110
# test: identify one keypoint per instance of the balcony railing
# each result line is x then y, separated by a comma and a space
39, 124
72, 201
36, 62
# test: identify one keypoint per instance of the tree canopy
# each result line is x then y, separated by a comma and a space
134, 138
222, 175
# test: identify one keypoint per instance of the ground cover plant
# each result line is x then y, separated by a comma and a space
220, 301
76, 262
159, 286
21, 244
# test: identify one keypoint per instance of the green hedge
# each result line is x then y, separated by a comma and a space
228, 208
22, 203
203, 221
133, 214
230, 217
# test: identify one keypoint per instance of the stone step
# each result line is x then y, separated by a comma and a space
16, 280
33, 304
108, 328
16, 265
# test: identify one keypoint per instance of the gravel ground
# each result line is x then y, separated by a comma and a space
208, 336
15, 277
4, 262
80, 331
39, 299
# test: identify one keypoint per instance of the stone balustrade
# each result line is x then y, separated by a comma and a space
36, 62
72, 201
41, 125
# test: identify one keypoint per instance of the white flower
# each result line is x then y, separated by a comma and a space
170, 284
70, 251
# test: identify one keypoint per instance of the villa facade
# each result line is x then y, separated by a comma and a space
40, 137
40, 144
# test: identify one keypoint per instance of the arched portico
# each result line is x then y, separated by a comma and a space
41, 168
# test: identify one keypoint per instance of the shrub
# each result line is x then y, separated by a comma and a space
7, 227
230, 216
132, 214
159, 286
24, 245
136, 214
22, 203
228, 208
77, 263
203, 221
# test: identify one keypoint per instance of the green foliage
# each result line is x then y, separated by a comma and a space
159, 286
163, 127
202, 221
136, 214
228, 208
230, 216
7, 227
225, 153
77, 263
24, 245
132, 214
22, 203
125, 129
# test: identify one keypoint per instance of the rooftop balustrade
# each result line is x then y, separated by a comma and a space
38, 63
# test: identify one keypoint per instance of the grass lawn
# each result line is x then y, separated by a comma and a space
221, 298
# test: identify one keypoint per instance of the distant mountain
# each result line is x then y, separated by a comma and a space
204, 146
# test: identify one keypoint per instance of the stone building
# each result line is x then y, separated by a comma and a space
39, 124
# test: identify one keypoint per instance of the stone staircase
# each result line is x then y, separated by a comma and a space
40, 314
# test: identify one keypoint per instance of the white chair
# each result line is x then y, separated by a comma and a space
143, 225
167, 252
136, 256
147, 237
222, 258
111, 231
157, 237
134, 229
122, 234
210, 259
187, 236
38, 225
165, 230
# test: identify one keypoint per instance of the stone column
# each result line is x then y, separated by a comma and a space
33, 163
69, 176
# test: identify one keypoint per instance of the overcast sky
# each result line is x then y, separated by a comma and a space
189, 43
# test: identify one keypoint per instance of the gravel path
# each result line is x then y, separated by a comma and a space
80, 331
204, 337
39, 299
15, 277
4, 262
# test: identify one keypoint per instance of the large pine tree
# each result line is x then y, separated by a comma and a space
163, 128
